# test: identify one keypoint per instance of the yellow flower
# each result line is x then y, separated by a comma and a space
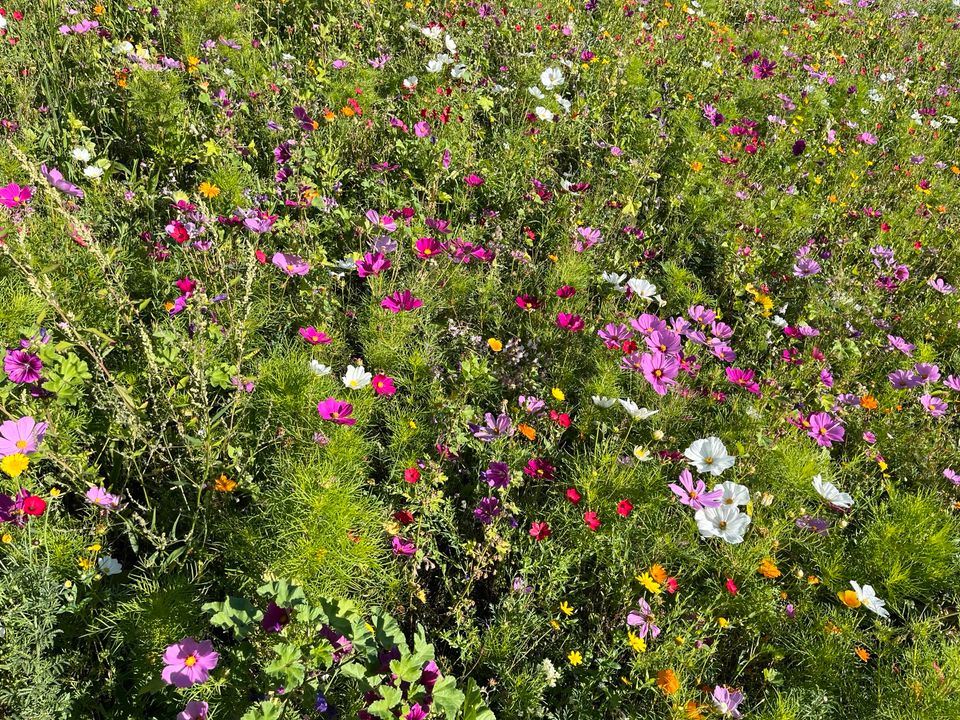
208, 190
558, 394
224, 484
98, 9
14, 465
554, 624
575, 658
637, 642
95, 548
85, 563
696, 166
648, 582
849, 598
7, 538
566, 609
722, 622
54, 492
412, 424
495, 344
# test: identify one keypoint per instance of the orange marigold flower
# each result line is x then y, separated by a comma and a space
862, 653
658, 573
869, 402
667, 681
224, 484
849, 598
528, 432
769, 569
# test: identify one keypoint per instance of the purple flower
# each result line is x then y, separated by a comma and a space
695, 495
188, 662
372, 264
664, 342
817, 525
99, 496
952, 475
497, 474
416, 713
56, 179
806, 267
488, 509
643, 620
659, 370
22, 367
898, 343
614, 335
195, 710
727, 701
21, 436
952, 382
825, 429
934, 405
903, 380
336, 411
291, 264
926, 372
495, 427
403, 547
275, 618
401, 301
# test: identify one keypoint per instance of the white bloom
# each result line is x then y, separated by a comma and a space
709, 455
451, 45
603, 402
829, 492
92, 172
733, 493
80, 154
109, 566
123, 48
642, 288
868, 598
356, 377
642, 454
319, 368
433, 33
563, 102
536, 92
543, 113
614, 279
636, 412
288, 57
410, 83
434, 66
550, 672
551, 78
3, 22
458, 70
725, 522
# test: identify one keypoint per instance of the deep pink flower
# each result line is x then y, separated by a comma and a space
372, 264
743, 378
568, 321
314, 336
695, 495
401, 301
22, 366
403, 547
659, 370
13, 195
591, 519
336, 411
473, 180
188, 662
383, 385
539, 531
428, 247
825, 429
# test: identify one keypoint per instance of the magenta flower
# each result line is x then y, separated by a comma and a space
695, 495
56, 179
275, 618
188, 662
428, 247
22, 367
13, 195
568, 321
643, 620
403, 547
743, 378
933, 405
291, 264
336, 411
314, 336
416, 713
826, 430
659, 370
195, 710
372, 264
473, 180
401, 301
539, 468
21, 436
383, 385
99, 496
664, 342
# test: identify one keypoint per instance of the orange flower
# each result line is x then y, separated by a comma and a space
693, 711
224, 484
769, 569
347, 111
667, 681
869, 402
528, 432
658, 573
862, 653
849, 598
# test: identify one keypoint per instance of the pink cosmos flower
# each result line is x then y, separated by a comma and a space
695, 495
428, 247
539, 531
372, 264
13, 195
314, 336
473, 180
664, 342
383, 385
743, 378
825, 429
291, 264
403, 547
188, 662
568, 321
195, 710
659, 370
933, 405
22, 367
336, 411
384, 222
643, 620
99, 496
591, 519
401, 301
21, 436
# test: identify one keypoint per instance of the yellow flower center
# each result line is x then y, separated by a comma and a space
21, 444
190, 661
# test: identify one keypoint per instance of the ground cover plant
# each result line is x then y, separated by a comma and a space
472, 360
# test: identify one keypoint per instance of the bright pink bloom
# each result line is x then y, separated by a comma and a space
539, 531
188, 662
13, 195
428, 247
401, 301
695, 495
21, 436
336, 411
372, 264
825, 429
659, 370
568, 321
591, 519
383, 385
743, 378
314, 336
291, 264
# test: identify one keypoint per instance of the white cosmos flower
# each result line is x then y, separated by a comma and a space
603, 402
642, 454
356, 377
551, 78
829, 492
634, 411
563, 102
434, 66
868, 598
451, 45
642, 288
410, 83
80, 154
92, 172
458, 70
319, 368
725, 522
543, 113
709, 456
733, 493
3, 22
433, 33
536, 92
109, 566
614, 279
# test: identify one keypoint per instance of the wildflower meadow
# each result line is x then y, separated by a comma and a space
463, 360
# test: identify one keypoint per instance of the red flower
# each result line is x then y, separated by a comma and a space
624, 507
33, 505
573, 496
539, 531
411, 474
731, 586
672, 585
404, 517
261, 257
591, 519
